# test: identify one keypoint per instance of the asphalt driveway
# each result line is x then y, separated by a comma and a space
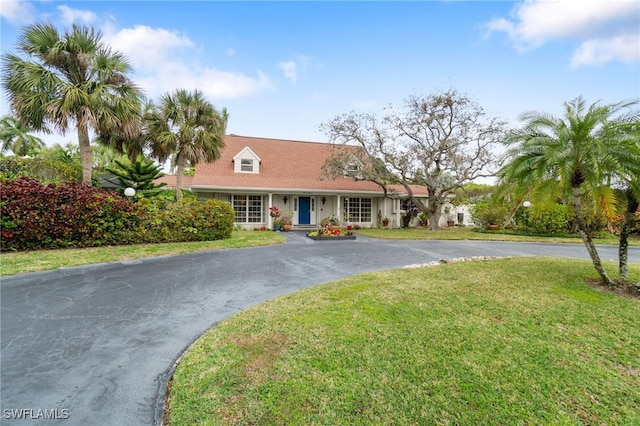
96, 345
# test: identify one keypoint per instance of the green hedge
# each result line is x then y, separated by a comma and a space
36, 216
550, 218
191, 220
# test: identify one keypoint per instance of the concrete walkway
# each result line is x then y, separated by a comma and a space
96, 345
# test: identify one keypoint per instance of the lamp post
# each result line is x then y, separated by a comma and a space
526, 204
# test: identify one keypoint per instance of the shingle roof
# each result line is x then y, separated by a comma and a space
170, 180
286, 164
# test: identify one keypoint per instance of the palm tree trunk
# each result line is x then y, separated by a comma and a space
623, 248
623, 252
85, 153
586, 235
179, 172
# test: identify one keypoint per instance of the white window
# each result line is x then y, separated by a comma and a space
246, 165
357, 209
248, 208
353, 168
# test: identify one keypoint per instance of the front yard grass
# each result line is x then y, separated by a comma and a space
40, 260
33, 261
508, 341
470, 233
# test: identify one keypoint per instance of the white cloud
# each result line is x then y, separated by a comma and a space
166, 60
74, 16
624, 48
597, 24
214, 83
17, 11
290, 70
149, 48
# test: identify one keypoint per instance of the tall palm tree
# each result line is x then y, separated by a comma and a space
15, 137
186, 127
130, 142
70, 80
580, 151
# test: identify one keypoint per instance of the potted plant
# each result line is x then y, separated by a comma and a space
424, 219
287, 220
447, 212
385, 222
490, 214
274, 212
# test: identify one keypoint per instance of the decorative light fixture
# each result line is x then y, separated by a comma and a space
285, 199
129, 192
324, 200
527, 204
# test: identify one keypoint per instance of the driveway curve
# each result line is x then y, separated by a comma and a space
96, 344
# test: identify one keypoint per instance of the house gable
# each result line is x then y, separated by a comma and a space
246, 161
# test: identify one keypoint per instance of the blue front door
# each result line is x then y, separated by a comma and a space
304, 210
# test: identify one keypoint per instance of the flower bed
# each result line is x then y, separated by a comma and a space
331, 238
332, 233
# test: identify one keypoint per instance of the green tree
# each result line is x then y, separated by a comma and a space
67, 80
580, 151
140, 176
126, 142
186, 128
15, 137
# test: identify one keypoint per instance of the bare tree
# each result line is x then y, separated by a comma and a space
440, 142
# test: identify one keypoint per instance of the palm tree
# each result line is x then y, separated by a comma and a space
579, 151
187, 128
15, 137
70, 80
129, 143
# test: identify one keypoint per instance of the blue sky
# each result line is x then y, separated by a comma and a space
283, 68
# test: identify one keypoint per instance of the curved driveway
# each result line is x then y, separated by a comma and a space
97, 344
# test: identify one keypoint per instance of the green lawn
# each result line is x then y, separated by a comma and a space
41, 260
508, 341
21, 262
469, 233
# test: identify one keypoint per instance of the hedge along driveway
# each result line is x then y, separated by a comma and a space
100, 341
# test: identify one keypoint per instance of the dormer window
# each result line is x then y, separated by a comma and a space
246, 165
246, 161
353, 168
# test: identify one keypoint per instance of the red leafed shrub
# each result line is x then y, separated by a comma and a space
36, 216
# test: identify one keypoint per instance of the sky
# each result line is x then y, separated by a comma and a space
283, 68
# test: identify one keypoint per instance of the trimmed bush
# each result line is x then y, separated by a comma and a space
550, 218
190, 220
36, 216
488, 213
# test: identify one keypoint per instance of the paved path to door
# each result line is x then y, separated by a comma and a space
98, 343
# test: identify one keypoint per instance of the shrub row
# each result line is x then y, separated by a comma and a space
36, 216
191, 220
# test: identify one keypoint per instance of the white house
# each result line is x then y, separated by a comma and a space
254, 174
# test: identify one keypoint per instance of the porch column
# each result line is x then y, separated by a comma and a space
269, 218
338, 211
